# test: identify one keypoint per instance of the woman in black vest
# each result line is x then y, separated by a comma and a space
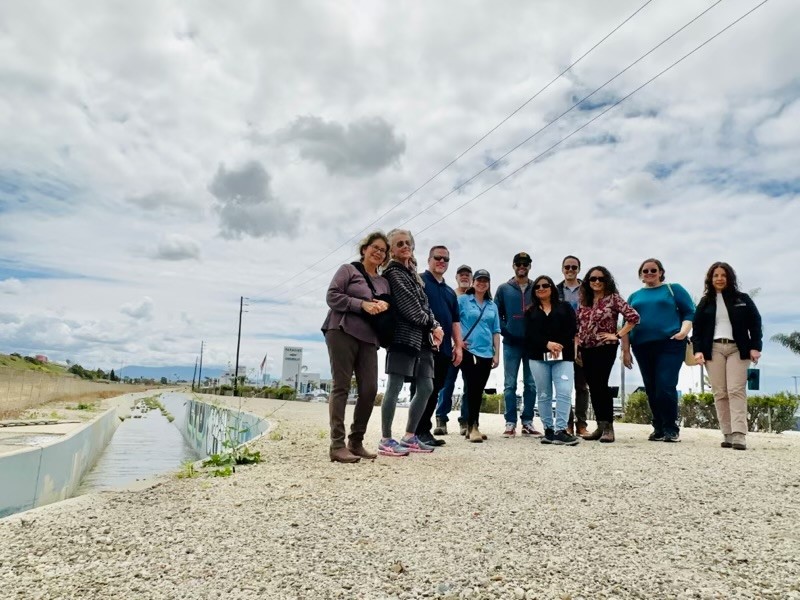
727, 338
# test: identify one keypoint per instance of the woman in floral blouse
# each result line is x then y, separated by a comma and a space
598, 340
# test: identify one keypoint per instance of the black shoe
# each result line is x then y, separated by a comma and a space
562, 438
672, 437
427, 438
549, 435
656, 436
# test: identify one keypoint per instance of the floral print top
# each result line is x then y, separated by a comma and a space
602, 318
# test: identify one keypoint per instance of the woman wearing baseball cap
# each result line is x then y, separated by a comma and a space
480, 325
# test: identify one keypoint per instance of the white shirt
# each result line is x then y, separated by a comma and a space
722, 323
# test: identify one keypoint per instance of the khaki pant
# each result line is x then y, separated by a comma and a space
728, 375
350, 356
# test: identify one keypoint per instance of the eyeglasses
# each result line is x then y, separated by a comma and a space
401, 243
379, 249
570, 267
442, 258
595, 279
542, 286
649, 271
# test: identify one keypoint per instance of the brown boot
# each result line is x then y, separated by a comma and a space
343, 455
597, 433
360, 451
475, 436
581, 430
441, 427
571, 428
608, 433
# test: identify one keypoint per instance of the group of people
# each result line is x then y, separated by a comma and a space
564, 336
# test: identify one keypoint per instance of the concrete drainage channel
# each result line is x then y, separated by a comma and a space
48, 467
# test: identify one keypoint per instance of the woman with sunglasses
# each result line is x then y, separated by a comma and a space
727, 338
659, 344
598, 341
480, 326
353, 344
410, 355
550, 328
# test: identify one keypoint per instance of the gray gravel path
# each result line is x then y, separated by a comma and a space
504, 519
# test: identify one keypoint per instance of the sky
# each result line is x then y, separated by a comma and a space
159, 160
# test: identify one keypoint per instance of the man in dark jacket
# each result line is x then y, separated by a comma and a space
569, 291
512, 298
444, 304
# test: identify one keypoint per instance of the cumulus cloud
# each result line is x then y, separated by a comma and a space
176, 246
160, 201
140, 310
360, 148
10, 286
247, 206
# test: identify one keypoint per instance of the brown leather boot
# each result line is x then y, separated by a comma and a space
475, 436
581, 430
361, 452
597, 433
571, 428
343, 455
608, 433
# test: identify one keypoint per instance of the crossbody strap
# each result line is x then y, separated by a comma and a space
368, 279
475, 324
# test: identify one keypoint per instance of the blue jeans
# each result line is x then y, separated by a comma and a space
659, 363
445, 402
558, 373
512, 357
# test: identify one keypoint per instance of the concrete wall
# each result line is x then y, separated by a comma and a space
40, 475
206, 426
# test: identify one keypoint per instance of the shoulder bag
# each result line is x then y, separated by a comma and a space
689, 359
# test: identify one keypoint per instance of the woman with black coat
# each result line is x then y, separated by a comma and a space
727, 338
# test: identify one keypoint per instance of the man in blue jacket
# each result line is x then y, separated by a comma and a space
512, 298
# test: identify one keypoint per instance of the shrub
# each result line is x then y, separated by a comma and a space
637, 409
777, 412
698, 410
491, 403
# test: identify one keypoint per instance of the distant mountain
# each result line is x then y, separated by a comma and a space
171, 373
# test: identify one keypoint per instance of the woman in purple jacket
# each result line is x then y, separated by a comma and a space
353, 345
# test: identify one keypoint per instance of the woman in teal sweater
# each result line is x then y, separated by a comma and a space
659, 344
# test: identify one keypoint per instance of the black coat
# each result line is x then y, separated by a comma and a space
559, 326
415, 319
745, 321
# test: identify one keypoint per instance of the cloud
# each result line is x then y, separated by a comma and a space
160, 201
247, 206
142, 310
361, 148
176, 246
11, 286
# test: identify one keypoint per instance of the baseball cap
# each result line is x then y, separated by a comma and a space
481, 273
522, 257
463, 268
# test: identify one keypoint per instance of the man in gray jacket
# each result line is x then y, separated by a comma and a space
512, 298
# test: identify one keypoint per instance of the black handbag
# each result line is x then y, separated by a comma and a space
384, 323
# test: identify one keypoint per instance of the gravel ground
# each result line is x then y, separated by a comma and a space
503, 519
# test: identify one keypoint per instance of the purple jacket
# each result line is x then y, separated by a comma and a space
347, 290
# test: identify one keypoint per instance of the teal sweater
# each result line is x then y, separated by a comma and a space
661, 313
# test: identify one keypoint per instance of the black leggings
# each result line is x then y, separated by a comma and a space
597, 365
475, 371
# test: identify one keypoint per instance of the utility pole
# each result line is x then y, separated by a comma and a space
238, 344
195, 373
200, 374
795, 377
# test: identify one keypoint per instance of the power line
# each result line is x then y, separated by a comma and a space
589, 122
475, 143
533, 135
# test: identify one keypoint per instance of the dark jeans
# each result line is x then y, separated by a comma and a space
445, 403
349, 355
441, 365
597, 365
581, 397
659, 363
476, 373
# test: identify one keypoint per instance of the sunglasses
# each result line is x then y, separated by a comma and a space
523, 264
649, 271
570, 267
595, 279
442, 258
542, 286
401, 243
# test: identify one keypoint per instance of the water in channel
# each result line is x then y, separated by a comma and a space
141, 448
